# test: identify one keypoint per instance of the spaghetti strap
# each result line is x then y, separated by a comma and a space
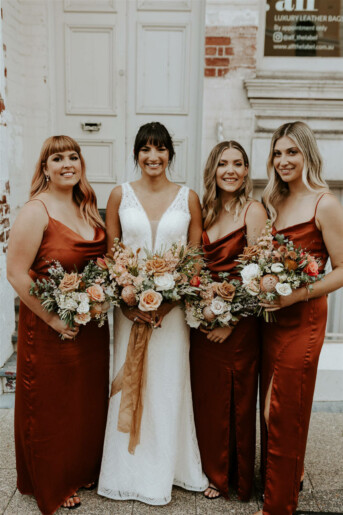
247, 209
321, 196
46, 209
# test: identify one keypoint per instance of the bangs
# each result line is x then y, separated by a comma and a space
153, 133
58, 144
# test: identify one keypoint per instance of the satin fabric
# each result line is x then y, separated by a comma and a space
62, 387
224, 385
291, 349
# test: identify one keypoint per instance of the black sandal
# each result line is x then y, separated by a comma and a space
91, 486
76, 505
214, 489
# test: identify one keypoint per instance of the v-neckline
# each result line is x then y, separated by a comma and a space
70, 229
153, 243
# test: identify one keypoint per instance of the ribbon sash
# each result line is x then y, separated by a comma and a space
131, 380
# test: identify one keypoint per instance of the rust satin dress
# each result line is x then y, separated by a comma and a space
291, 348
224, 385
62, 387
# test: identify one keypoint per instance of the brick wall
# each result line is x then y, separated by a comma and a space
4, 217
228, 49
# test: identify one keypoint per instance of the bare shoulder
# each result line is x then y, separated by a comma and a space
115, 195
193, 198
33, 212
256, 210
328, 203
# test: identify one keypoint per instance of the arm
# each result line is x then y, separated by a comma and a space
330, 222
195, 225
25, 239
256, 221
113, 228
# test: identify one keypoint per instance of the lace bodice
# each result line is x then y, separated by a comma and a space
136, 227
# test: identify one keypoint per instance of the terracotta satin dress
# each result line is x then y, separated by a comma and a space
224, 385
62, 387
291, 348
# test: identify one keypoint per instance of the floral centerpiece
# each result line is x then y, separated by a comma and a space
77, 298
274, 267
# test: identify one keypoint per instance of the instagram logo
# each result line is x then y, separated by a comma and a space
277, 37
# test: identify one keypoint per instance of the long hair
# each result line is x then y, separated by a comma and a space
211, 201
156, 134
83, 193
304, 138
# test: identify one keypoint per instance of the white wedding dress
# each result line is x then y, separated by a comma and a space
168, 452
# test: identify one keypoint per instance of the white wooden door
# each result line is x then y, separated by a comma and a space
119, 64
90, 57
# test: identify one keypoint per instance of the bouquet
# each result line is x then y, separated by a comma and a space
146, 283
76, 298
270, 270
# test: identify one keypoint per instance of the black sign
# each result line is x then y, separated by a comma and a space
304, 28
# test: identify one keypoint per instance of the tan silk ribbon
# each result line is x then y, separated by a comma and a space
131, 380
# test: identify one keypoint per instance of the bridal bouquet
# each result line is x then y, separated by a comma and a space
76, 297
269, 270
145, 283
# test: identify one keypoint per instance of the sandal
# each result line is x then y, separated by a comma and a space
212, 487
74, 506
90, 486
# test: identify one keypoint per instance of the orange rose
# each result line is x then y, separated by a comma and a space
268, 283
290, 264
150, 300
96, 293
226, 290
70, 282
157, 266
312, 269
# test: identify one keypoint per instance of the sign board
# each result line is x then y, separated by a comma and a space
304, 28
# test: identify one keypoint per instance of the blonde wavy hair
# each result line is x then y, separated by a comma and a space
305, 140
211, 200
83, 193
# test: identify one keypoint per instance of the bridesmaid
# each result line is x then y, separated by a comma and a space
62, 386
303, 209
224, 362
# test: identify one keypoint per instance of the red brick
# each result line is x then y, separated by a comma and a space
222, 71
217, 40
228, 50
217, 61
3, 199
211, 50
220, 50
210, 72
7, 186
2, 105
4, 47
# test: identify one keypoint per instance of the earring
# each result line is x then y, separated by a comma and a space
47, 178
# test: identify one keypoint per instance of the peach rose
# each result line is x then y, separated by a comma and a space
157, 266
208, 314
226, 290
128, 295
96, 293
82, 318
268, 283
95, 309
70, 282
312, 269
150, 300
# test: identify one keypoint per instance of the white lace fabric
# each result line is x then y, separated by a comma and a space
168, 452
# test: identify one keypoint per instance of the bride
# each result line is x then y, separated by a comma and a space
153, 213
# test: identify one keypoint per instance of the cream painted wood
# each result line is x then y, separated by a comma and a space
164, 5
90, 57
166, 83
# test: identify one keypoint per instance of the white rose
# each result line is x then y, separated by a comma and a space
283, 278
191, 320
250, 272
218, 306
83, 307
164, 282
277, 268
225, 318
283, 289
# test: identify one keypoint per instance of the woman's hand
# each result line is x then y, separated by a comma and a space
136, 315
219, 334
283, 301
67, 333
